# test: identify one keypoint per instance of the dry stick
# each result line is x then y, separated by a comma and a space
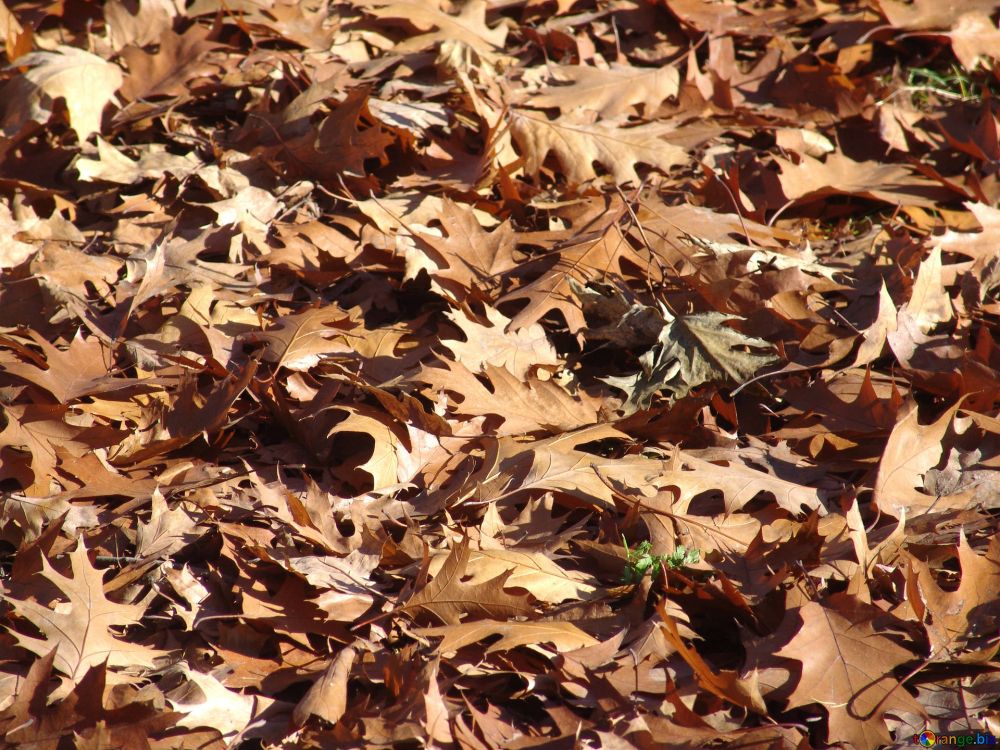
736, 205
638, 226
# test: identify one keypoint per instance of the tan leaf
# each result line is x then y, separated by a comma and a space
563, 636
13, 251
412, 208
738, 483
167, 70
874, 337
516, 406
744, 692
206, 702
79, 370
911, 451
341, 143
847, 668
68, 272
974, 37
811, 179
608, 91
111, 165
84, 81
517, 352
590, 258
555, 464
437, 723
980, 245
930, 14
577, 144
533, 571
299, 341
80, 628
38, 429
327, 696
467, 254
139, 23
469, 26
384, 463
952, 618
167, 531
929, 303
448, 598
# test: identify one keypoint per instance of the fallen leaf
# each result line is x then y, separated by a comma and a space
608, 91
533, 571
563, 636
848, 669
911, 451
694, 350
577, 144
469, 26
80, 628
84, 81
327, 697
518, 352
448, 598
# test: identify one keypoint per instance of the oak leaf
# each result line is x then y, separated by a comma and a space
39, 430
327, 697
111, 165
383, 466
694, 350
80, 628
469, 26
738, 482
929, 14
577, 144
517, 352
204, 701
69, 374
84, 81
468, 255
556, 464
533, 571
608, 91
744, 692
848, 668
341, 143
811, 179
952, 618
590, 258
911, 451
563, 636
298, 342
974, 37
514, 406
929, 303
449, 598
167, 71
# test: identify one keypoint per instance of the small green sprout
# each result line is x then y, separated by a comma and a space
641, 560
956, 83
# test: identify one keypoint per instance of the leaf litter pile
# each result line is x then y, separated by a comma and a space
511, 374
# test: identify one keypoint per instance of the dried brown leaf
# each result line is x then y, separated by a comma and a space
80, 629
